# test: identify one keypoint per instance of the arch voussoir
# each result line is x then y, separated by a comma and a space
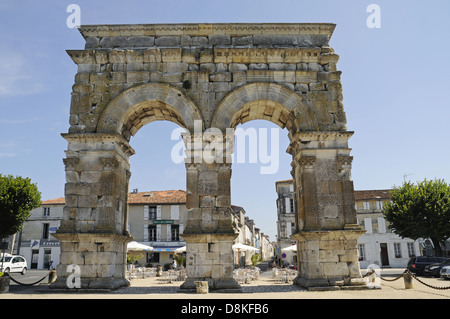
274, 102
148, 102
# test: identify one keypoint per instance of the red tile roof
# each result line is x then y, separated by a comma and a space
373, 194
156, 197
179, 197
56, 201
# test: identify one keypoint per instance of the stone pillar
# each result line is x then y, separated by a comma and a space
93, 232
327, 230
209, 233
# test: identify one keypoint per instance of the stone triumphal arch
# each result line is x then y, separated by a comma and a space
207, 76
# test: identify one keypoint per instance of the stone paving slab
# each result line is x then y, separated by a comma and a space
264, 288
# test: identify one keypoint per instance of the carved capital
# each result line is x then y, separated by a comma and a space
308, 161
71, 163
192, 166
344, 162
109, 163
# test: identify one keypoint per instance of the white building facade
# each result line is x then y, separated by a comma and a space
156, 219
286, 221
35, 241
379, 245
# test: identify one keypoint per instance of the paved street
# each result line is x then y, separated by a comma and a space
264, 288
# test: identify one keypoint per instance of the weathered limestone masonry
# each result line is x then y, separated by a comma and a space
206, 76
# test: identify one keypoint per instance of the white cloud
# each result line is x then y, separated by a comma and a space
7, 155
17, 75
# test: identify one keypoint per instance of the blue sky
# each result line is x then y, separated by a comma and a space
395, 83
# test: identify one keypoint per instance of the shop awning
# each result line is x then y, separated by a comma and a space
163, 249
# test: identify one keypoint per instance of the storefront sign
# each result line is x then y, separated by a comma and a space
163, 221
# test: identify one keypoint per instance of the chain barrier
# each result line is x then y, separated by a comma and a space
412, 274
428, 285
397, 278
29, 284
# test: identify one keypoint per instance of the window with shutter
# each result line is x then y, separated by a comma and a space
168, 232
175, 212
287, 205
158, 232
368, 225
158, 212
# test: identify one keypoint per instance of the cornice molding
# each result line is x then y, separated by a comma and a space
232, 29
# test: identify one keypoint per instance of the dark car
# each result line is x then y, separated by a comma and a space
435, 269
417, 265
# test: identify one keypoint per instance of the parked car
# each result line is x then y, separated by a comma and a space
417, 265
435, 269
13, 263
445, 272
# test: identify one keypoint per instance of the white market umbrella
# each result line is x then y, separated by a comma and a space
240, 246
290, 248
181, 249
135, 246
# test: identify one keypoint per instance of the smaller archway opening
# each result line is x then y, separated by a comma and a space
265, 110
258, 165
146, 112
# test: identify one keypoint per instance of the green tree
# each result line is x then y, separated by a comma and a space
420, 211
18, 196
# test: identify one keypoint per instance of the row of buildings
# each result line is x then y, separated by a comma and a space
378, 245
155, 219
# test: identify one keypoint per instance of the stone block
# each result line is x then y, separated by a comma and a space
242, 41
152, 55
220, 77
140, 41
317, 86
174, 67
92, 43
235, 67
239, 77
117, 56
112, 42
219, 39
282, 66
203, 76
134, 56
135, 66
350, 255
138, 76
221, 87
82, 78
171, 55
305, 76
328, 256
198, 41
188, 56
206, 56
167, 41
335, 269
258, 66
207, 201
118, 77
331, 245
208, 67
